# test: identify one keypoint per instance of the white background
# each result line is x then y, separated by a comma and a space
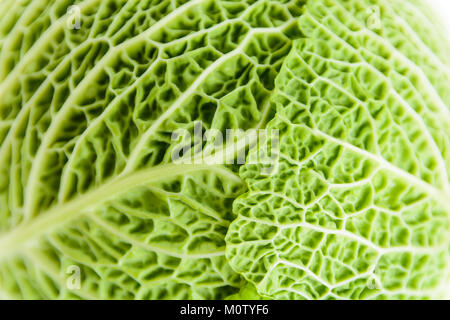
442, 8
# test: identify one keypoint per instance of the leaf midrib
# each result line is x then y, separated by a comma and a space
59, 215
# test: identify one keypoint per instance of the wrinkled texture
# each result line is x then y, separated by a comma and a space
356, 208
359, 206
86, 123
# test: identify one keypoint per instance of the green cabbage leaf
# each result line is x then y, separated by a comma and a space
354, 205
359, 206
87, 184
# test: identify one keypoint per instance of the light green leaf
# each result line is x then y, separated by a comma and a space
87, 187
359, 207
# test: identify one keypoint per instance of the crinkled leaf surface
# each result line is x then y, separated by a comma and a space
86, 117
359, 206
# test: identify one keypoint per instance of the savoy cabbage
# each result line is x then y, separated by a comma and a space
93, 205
